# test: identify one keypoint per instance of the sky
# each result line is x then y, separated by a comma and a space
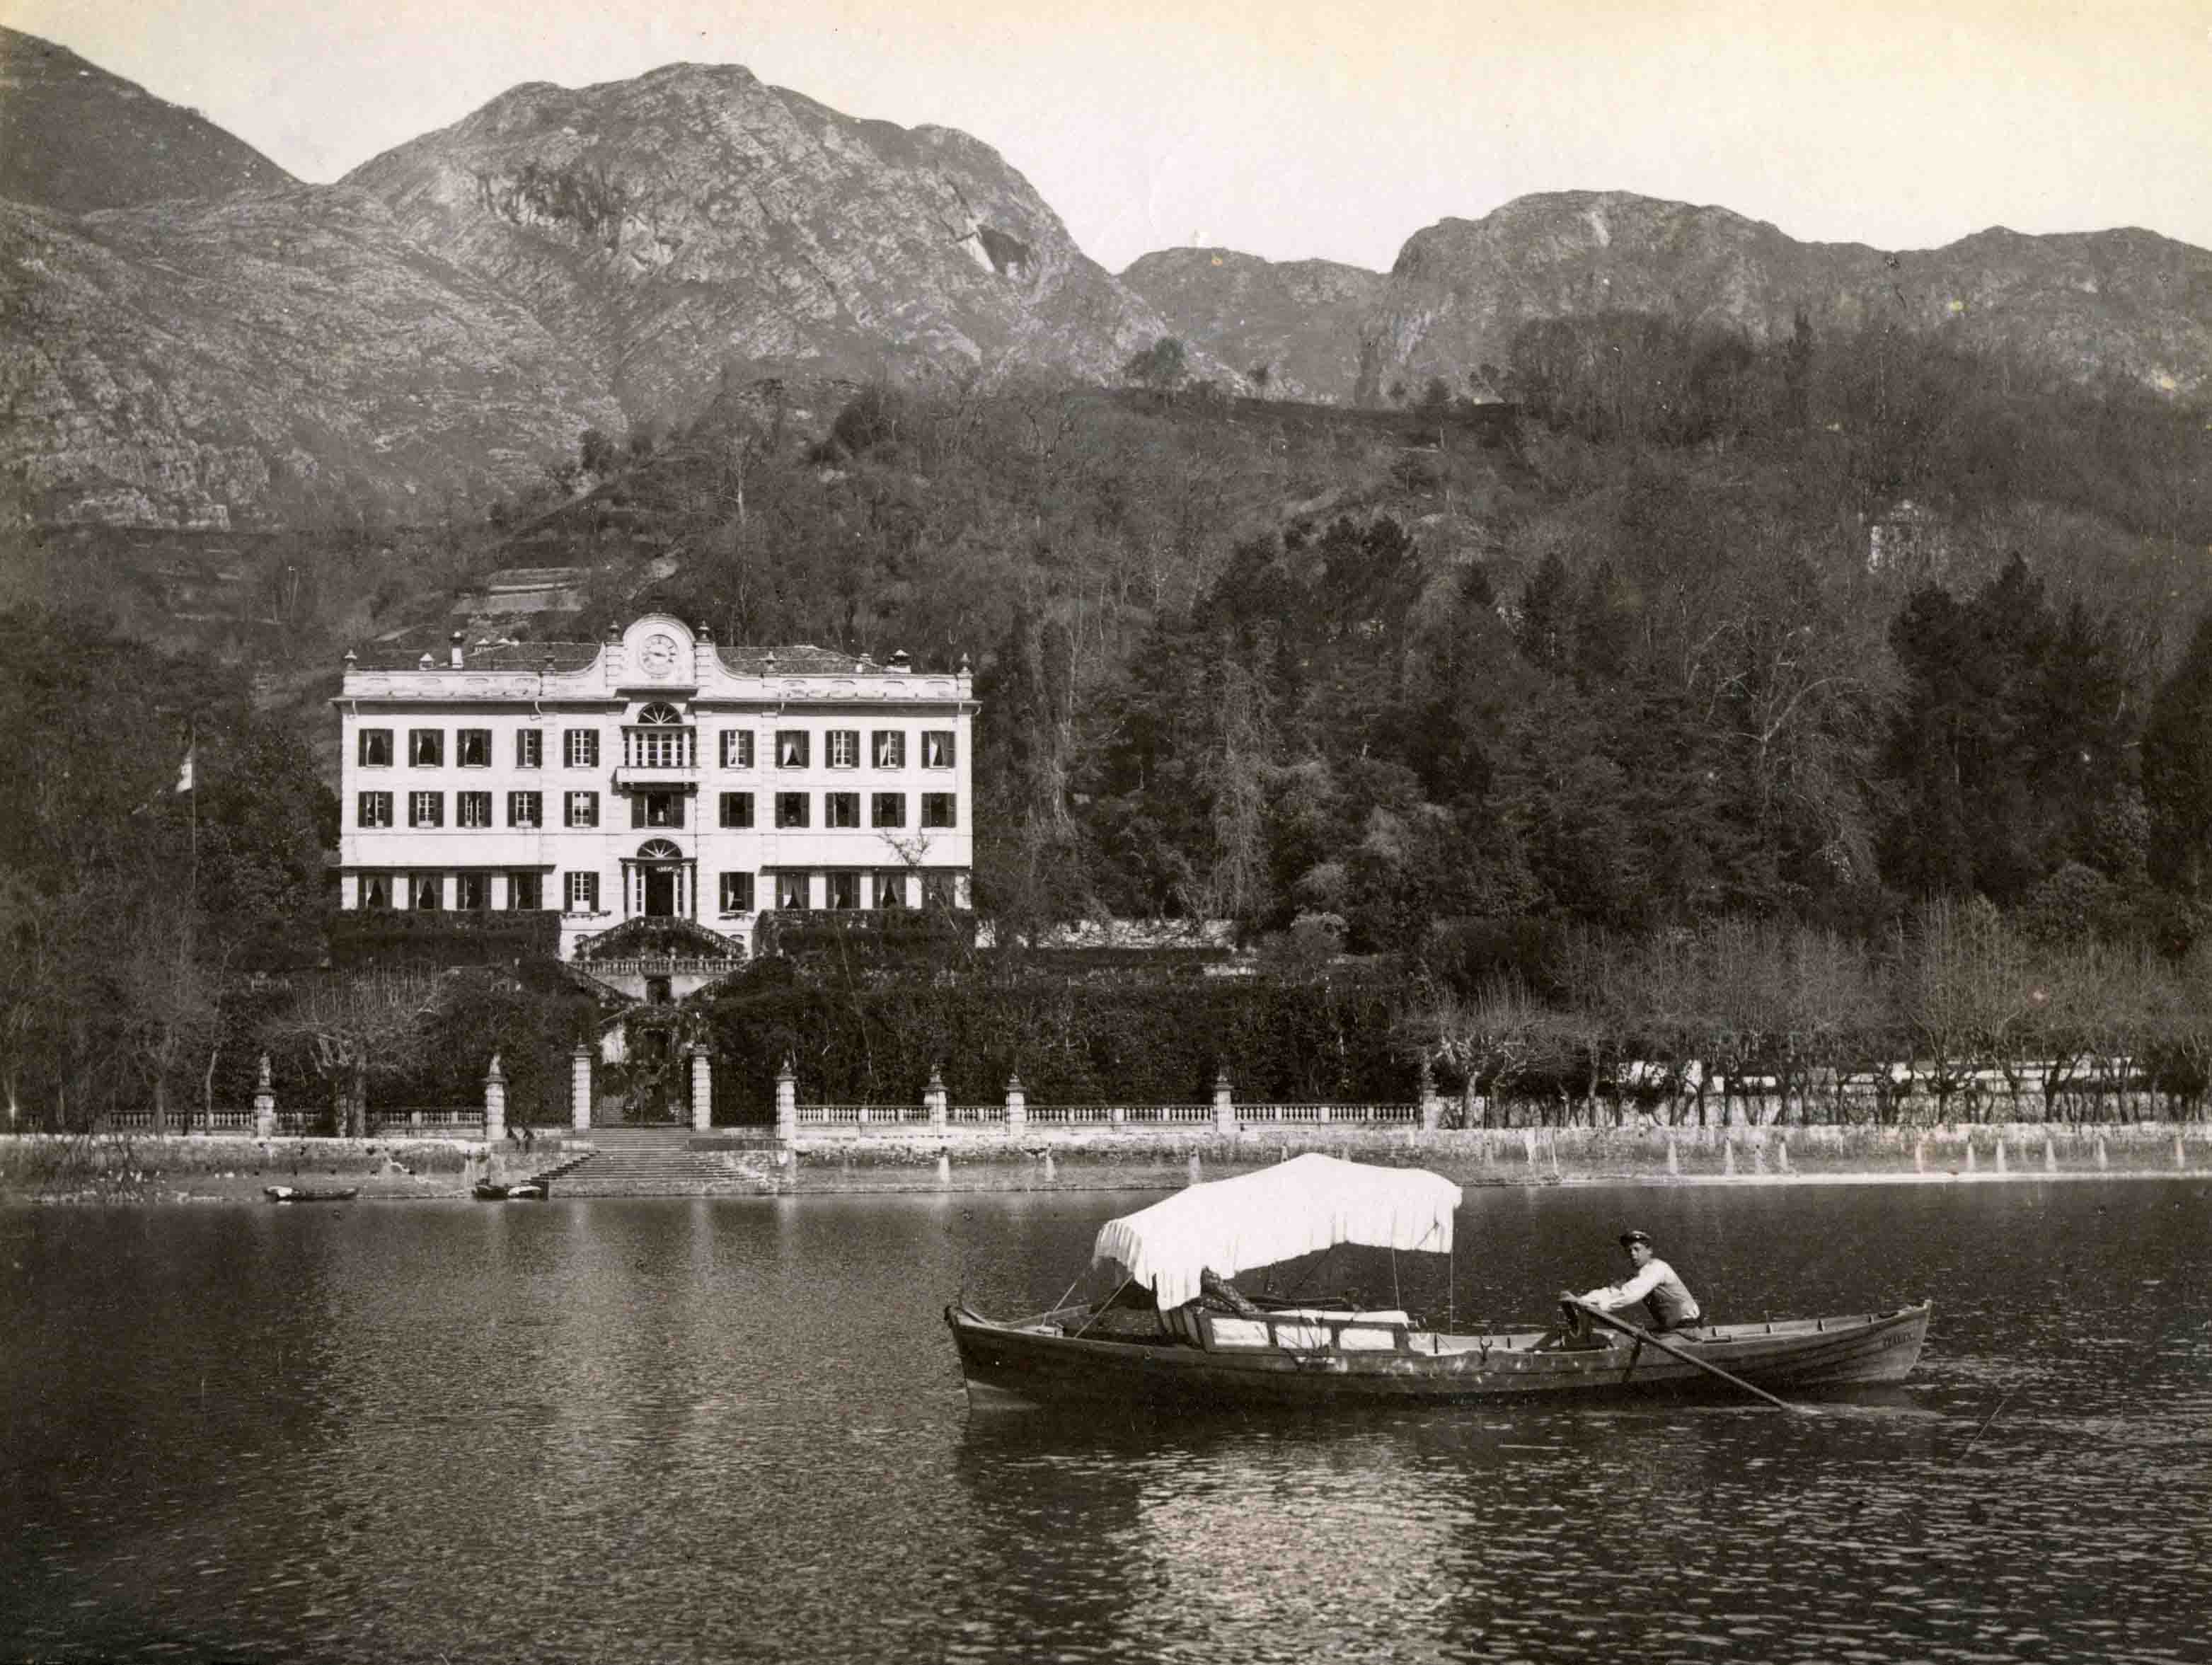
1297, 129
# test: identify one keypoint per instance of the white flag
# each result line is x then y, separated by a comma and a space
184, 770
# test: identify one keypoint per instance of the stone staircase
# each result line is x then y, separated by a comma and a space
672, 1161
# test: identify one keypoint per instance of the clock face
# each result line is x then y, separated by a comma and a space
659, 655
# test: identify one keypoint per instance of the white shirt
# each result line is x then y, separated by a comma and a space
1654, 1274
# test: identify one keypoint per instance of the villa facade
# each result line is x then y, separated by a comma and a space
653, 775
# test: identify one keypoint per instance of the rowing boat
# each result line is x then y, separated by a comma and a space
309, 1194
1195, 1353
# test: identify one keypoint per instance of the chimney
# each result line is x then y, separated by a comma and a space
457, 650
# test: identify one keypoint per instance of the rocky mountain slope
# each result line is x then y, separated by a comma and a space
75, 138
2127, 302
1296, 319
695, 218
286, 359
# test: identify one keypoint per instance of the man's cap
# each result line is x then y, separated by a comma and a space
1630, 1238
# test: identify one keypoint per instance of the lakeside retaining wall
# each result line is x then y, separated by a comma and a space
138, 1168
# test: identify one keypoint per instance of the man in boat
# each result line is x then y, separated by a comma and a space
1653, 1282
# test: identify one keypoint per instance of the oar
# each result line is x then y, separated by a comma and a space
1706, 1365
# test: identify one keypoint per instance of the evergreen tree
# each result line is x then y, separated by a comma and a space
2176, 770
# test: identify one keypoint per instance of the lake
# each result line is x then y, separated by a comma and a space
685, 1429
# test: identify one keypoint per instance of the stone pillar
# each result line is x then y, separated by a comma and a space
1432, 1105
703, 1091
580, 1088
1224, 1105
1018, 1106
1782, 1154
495, 1102
786, 1106
264, 1104
1673, 1162
933, 1100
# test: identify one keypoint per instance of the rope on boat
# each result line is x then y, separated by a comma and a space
1101, 1307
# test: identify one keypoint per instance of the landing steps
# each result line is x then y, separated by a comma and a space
670, 1166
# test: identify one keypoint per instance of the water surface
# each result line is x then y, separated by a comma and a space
690, 1428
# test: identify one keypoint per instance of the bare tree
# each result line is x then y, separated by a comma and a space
358, 1028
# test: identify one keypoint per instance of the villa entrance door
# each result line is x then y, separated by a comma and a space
660, 893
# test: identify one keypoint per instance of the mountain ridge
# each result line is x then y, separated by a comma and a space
189, 337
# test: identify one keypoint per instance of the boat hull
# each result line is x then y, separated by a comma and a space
1029, 1364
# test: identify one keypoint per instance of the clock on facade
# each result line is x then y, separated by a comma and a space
659, 655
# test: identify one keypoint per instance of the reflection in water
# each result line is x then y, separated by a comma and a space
683, 1428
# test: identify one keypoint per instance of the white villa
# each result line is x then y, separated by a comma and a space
653, 775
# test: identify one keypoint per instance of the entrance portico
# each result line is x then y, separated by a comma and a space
660, 882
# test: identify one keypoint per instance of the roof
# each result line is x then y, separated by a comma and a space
801, 659
1310, 1202
557, 656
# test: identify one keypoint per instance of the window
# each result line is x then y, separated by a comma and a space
472, 809
791, 748
791, 889
937, 748
890, 747
375, 748
472, 748
376, 889
660, 741
940, 890
525, 809
841, 748
372, 809
887, 808
580, 747
526, 892
471, 892
891, 889
937, 810
791, 809
737, 893
425, 809
737, 748
426, 747
426, 893
737, 809
844, 889
529, 748
583, 893
583, 809
657, 809
840, 808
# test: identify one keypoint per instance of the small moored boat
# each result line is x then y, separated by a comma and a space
528, 1190
1202, 1350
310, 1194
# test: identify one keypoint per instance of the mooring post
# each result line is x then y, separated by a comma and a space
1018, 1106
1224, 1105
495, 1102
264, 1104
580, 1089
932, 1099
786, 1106
702, 1088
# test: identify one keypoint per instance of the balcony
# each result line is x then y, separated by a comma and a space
641, 777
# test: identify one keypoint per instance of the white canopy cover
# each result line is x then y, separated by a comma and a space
1312, 1201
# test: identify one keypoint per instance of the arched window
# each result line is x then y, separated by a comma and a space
659, 849
659, 715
